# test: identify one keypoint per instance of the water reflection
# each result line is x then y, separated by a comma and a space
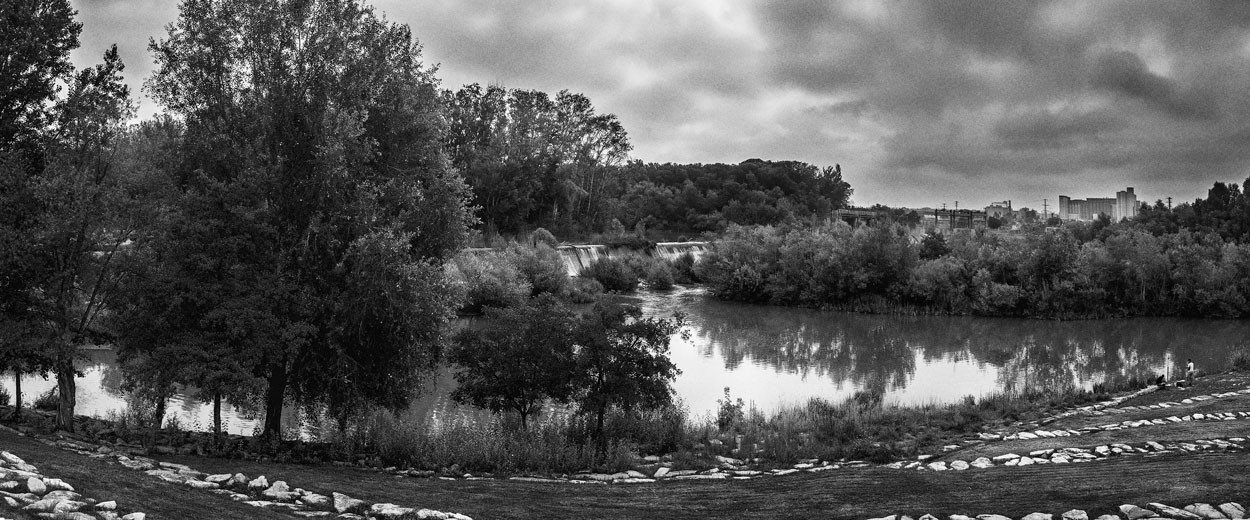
920, 359
775, 356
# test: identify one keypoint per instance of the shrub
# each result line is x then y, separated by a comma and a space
541, 236
489, 279
49, 400
729, 413
612, 273
683, 268
1241, 360
542, 267
4, 396
584, 290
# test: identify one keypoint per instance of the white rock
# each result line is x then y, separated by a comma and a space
346, 504
106, 506
1006, 457
36, 486
385, 510
1206, 511
11, 458
258, 483
200, 484
959, 465
662, 471
992, 517
982, 462
1038, 516
220, 478
1109, 517
315, 500
937, 466
135, 516
1233, 510
1173, 512
1075, 514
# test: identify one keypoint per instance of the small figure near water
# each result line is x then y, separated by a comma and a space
1189, 372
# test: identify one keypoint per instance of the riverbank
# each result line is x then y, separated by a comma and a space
1101, 485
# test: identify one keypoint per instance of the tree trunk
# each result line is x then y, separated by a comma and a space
65, 410
17, 395
217, 414
273, 404
158, 419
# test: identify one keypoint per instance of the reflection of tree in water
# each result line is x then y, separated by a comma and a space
878, 353
860, 349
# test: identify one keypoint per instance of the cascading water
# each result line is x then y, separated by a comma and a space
579, 257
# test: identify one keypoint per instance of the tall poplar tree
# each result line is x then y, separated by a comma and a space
313, 157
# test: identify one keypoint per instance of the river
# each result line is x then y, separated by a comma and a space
775, 356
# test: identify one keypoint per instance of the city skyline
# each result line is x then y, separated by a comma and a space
920, 102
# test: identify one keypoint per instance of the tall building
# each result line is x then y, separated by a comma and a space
1123, 206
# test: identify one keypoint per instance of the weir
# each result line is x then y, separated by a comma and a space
579, 257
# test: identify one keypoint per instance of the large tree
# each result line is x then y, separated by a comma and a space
531, 159
36, 37
88, 215
314, 147
622, 361
519, 360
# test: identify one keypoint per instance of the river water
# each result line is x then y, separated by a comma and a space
775, 356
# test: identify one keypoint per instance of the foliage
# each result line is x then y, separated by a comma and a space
312, 151
518, 361
584, 290
541, 266
613, 273
489, 279
542, 236
530, 158
48, 400
4, 396
1076, 271
622, 361
729, 412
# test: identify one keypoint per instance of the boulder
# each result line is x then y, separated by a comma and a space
106, 506
1206, 511
431, 514
258, 483
10, 485
992, 517
200, 484
43, 505
1233, 510
385, 510
1133, 512
36, 486
982, 462
1173, 512
280, 491
1109, 517
660, 473
346, 504
316, 500
959, 465
11, 458
891, 517
238, 480
1038, 516
1075, 514
54, 484
958, 517
219, 479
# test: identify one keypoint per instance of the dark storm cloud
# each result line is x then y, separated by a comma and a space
1126, 73
921, 101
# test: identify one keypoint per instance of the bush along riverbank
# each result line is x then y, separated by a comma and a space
1077, 271
859, 429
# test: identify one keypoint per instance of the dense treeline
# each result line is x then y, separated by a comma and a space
537, 161
1081, 270
709, 197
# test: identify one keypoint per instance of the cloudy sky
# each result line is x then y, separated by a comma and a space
922, 103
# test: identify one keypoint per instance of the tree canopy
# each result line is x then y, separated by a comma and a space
319, 206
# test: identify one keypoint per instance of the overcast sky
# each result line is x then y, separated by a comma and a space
922, 103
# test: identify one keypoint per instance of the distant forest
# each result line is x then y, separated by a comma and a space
533, 160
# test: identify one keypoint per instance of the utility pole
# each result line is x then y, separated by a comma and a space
1169, 203
1045, 211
